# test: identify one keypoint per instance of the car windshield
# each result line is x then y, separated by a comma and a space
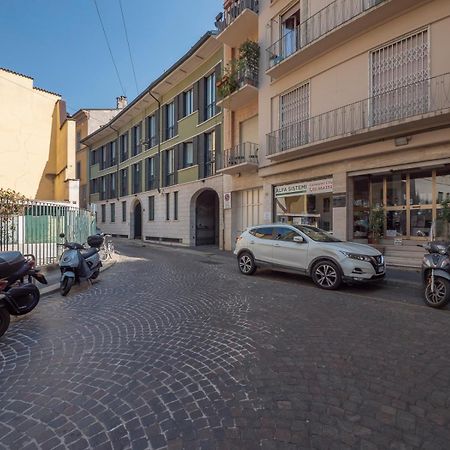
316, 234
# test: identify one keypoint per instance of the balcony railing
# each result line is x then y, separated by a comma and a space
431, 95
313, 28
247, 152
210, 164
234, 11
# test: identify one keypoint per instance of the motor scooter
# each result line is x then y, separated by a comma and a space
79, 263
17, 297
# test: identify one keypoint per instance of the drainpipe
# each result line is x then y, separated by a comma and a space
159, 139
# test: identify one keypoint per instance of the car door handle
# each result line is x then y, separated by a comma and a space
276, 245
252, 242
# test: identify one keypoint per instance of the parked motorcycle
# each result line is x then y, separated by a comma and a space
79, 263
17, 297
436, 273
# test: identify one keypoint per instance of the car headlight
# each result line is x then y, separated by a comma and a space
357, 257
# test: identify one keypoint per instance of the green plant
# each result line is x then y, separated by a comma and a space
445, 211
249, 53
12, 204
376, 223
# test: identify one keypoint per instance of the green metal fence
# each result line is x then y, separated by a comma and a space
36, 229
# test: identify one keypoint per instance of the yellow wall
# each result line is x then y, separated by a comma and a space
34, 145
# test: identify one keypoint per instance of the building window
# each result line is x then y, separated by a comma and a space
399, 79
113, 186
103, 191
113, 150
188, 154
94, 186
78, 170
175, 206
170, 120
104, 162
136, 143
290, 23
210, 153
150, 174
136, 175
93, 157
124, 147
167, 206
124, 182
103, 213
170, 174
210, 96
124, 211
151, 208
151, 131
188, 98
113, 212
78, 142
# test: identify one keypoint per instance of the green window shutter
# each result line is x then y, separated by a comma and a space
201, 100
201, 156
218, 71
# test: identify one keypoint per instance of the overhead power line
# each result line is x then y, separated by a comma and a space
129, 47
109, 47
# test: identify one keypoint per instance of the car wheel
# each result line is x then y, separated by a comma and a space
246, 263
326, 275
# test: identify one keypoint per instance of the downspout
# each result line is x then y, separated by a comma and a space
159, 140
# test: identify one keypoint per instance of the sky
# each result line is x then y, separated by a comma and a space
60, 43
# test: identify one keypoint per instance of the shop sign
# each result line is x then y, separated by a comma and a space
339, 201
227, 200
307, 188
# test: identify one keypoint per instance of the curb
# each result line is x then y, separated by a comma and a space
55, 287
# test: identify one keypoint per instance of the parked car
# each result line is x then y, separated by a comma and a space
309, 251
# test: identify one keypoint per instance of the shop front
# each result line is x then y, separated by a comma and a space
305, 203
411, 201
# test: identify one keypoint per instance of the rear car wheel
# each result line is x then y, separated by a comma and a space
247, 264
441, 294
4, 321
326, 275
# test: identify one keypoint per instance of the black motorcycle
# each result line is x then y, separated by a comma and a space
18, 294
436, 273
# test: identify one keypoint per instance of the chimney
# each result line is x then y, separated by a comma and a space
122, 102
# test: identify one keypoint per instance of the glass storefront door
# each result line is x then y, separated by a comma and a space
411, 201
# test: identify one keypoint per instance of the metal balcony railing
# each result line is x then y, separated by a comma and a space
247, 152
226, 18
313, 28
431, 95
247, 75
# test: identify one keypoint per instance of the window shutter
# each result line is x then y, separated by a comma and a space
164, 169
157, 169
196, 94
218, 76
201, 100
164, 122
218, 155
181, 111
201, 156
195, 145
175, 115
176, 162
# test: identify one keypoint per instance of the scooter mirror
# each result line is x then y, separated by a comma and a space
62, 235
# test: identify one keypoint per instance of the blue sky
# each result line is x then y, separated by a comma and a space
61, 45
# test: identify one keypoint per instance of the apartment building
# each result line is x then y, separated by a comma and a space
153, 173
354, 114
37, 141
87, 120
238, 31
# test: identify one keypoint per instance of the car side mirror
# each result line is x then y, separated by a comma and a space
298, 239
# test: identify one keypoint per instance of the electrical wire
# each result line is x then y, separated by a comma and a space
129, 47
109, 47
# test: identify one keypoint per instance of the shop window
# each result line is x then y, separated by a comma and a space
421, 188
396, 189
421, 221
395, 223
442, 186
377, 192
361, 206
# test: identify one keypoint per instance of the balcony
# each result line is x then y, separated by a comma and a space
337, 22
239, 89
399, 112
241, 158
238, 22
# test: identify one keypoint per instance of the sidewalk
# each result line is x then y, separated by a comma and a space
53, 275
394, 275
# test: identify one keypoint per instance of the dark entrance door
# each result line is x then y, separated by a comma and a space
138, 221
207, 218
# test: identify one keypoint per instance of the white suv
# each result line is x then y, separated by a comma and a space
309, 251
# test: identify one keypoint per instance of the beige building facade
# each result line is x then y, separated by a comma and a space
353, 113
37, 141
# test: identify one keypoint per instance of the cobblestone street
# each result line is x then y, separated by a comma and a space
175, 349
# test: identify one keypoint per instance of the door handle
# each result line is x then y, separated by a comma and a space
276, 245
252, 242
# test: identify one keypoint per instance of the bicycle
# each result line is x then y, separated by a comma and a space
107, 248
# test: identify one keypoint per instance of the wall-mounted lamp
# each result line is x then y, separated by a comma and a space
404, 140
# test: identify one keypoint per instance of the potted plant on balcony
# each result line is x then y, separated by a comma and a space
376, 225
249, 53
229, 81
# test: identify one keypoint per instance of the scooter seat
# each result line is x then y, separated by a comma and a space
88, 253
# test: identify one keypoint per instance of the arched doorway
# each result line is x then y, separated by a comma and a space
137, 215
207, 218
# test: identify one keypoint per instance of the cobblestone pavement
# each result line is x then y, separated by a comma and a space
175, 349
